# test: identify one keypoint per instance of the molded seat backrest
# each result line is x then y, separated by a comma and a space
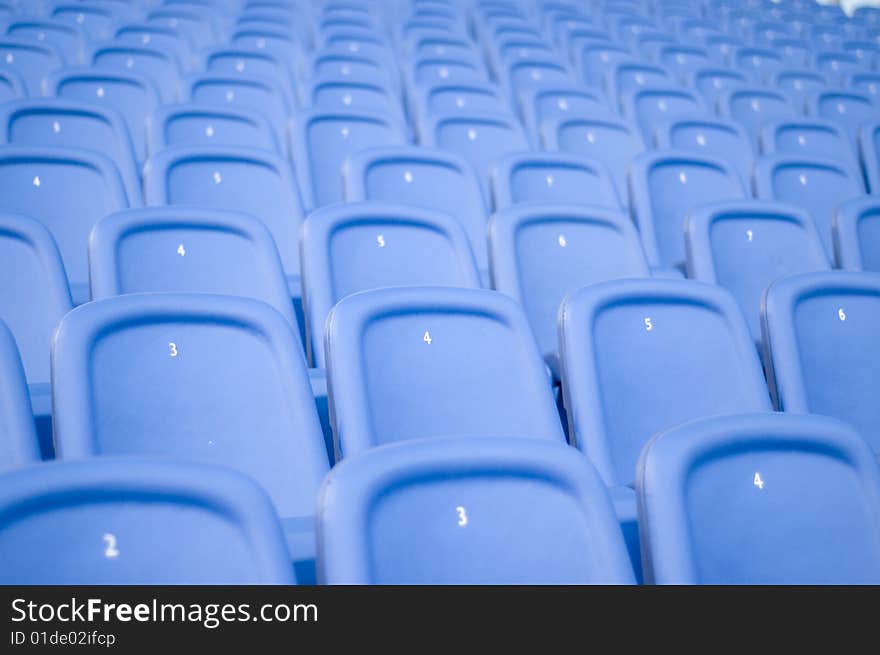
238, 179
640, 356
207, 125
321, 141
664, 187
745, 245
542, 252
821, 347
721, 138
711, 82
18, 438
524, 512
422, 177
710, 486
32, 306
551, 177
11, 86
68, 40
56, 122
33, 61
648, 105
67, 191
549, 101
359, 246
628, 75
410, 363
817, 185
480, 138
857, 234
848, 109
199, 377
159, 65
138, 522
798, 84
187, 250
808, 137
133, 96
754, 107
605, 139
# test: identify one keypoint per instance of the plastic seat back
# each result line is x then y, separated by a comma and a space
856, 231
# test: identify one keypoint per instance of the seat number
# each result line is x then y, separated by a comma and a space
181, 250
172, 349
649, 324
758, 482
462, 516
427, 338
110, 549
841, 314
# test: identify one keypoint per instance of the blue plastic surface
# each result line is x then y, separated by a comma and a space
856, 232
412, 363
646, 106
755, 106
674, 349
816, 185
352, 247
112, 522
179, 249
469, 511
557, 178
32, 61
821, 349
722, 138
422, 177
745, 245
542, 252
759, 499
666, 185
812, 137
160, 65
18, 438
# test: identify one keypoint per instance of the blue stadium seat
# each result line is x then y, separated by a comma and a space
352, 247
683, 60
69, 40
760, 64
196, 124
273, 38
155, 36
867, 84
627, 75
712, 81
869, 154
138, 522
18, 439
197, 377
540, 177
481, 138
755, 106
648, 105
321, 141
720, 47
808, 137
32, 61
477, 511
337, 92
198, 22
542, 252
66, 190
239, 179
666, 185
821, 347
848, 109
593, 58
32, 306
236, 92
640, 356
856, 231
721, 138
814, 184
187, 250
603, 138
11, 86
96, 19
159, 65
795, 52
250, 62
360, 67
745, 245
798, 84
134, 96
422, 177
734, 500
522, 76
548, 101
836, 65
412, 363
56, 122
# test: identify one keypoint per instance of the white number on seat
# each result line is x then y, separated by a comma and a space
381, 241
172, 349
758, 482
111, 550
649, 324
750, 235
181, 250
462, 516
427, 338
841, 314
